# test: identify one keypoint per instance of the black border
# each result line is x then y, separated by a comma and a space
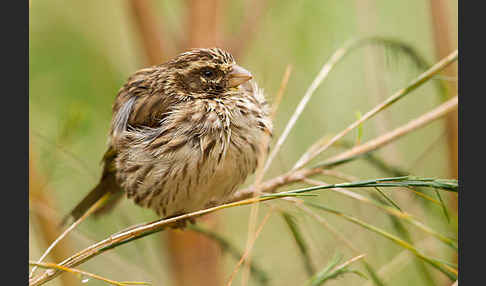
15, 139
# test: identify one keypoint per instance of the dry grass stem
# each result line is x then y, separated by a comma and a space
251, 237
254, 210
335, 58
249, 248
414, 124
113, 257
281, 91
77, 271
348, 262
424, 77
92, 209
273, 184
260, 173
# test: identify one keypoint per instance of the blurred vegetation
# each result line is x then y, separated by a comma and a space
81, 52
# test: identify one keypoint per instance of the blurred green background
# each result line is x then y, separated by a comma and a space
81, 52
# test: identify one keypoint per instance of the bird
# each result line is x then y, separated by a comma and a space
184, 135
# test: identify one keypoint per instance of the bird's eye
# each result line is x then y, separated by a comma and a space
207, 73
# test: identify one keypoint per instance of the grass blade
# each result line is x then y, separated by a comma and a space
290, 221
442, 204
397, 214
403, 182
331, 271
444, 268
387, 198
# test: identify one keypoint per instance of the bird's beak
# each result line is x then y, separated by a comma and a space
238, 76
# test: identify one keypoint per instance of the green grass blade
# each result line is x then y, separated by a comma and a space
387, 198
331, 271
318, 278
444, 209
404, 233
299, 239
446, 269
404, 182
373, 275
404, 216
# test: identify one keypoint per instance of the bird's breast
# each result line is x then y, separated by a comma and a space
201, 153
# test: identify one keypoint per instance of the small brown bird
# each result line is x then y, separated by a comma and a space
184, 134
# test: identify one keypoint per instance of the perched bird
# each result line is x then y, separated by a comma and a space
184, 134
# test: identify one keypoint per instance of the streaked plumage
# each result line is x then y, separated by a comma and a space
184, 134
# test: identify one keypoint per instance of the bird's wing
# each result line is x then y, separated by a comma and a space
141, 102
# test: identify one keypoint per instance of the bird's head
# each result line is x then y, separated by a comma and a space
205, 73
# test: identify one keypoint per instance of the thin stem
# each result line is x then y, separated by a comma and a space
77, 271
335, 58
332, 271
423, 78
92, 209
374, 144
248, 250
281, 91
260, 173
